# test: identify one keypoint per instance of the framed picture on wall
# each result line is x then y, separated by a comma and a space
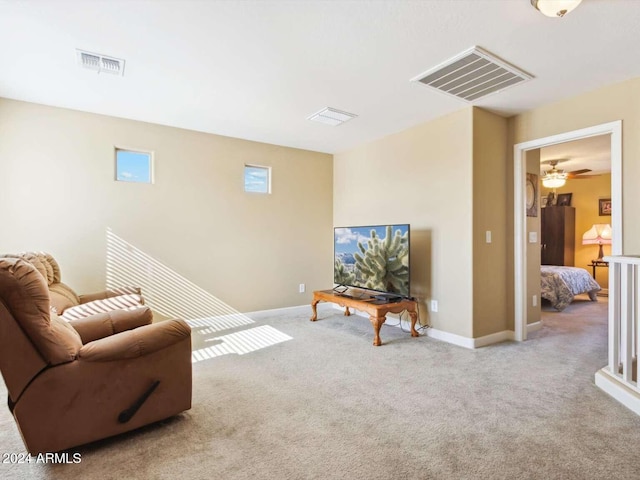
531, 194
604, 206
564, 199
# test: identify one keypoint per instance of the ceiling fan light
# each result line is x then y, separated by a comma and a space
555, 8
555, 177
553, 182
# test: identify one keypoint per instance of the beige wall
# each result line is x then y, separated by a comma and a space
611, 103
422, 176
585, 193
249, 250
489, 214
533, 254
430, 176
449, 181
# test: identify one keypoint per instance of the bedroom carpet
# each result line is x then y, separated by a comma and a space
326, 404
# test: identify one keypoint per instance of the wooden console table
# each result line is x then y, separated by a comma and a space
377, 310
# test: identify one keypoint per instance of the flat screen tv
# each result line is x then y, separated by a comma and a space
373, 258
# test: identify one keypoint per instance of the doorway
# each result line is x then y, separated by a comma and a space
521, 236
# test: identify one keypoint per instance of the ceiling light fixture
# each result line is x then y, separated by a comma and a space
555, 8
554, 178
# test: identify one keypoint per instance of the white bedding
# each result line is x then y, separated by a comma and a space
560, 284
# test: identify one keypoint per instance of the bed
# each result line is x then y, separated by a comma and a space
560, 284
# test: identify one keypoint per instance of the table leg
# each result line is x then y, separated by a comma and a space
377, 323
314, 317
414, 319
347, 313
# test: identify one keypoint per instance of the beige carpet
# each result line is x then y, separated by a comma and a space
328, 405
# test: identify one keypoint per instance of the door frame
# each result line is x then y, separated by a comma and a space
520, 235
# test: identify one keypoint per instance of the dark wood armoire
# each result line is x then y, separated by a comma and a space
558, 227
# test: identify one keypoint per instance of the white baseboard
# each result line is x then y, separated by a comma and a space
393, 321
479, 342
503, 336
321, 307
618, 390
470, 343
466, 342
533, 327
452, 338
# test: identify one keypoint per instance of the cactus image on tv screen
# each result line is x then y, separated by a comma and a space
374, 258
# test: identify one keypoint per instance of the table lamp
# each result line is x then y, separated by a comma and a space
598, 234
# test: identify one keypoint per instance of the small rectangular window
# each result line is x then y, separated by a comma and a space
133, 166
257, 179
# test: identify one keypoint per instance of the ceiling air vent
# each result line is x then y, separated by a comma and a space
331, 116
472, 74
100, 63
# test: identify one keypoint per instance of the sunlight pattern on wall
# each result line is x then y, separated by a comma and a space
163, 289
240, 343
172, 295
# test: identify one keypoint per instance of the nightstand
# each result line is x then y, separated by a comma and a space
597, 263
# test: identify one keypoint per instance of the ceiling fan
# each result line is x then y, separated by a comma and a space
556, 177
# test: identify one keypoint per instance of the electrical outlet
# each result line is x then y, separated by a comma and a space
434, 305
302, 288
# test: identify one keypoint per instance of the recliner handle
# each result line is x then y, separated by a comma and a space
128, 413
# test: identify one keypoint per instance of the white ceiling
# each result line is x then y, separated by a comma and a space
257, 69
593, 153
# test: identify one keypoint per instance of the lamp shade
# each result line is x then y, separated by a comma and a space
598, 234
555, 8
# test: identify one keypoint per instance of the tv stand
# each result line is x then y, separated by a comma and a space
388, 297
377, 309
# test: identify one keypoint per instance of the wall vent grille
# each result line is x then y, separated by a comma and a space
100, 63
472, 74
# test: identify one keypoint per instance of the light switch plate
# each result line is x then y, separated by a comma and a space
533, 237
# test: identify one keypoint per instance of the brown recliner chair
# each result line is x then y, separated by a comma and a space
66, 302
72, 383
